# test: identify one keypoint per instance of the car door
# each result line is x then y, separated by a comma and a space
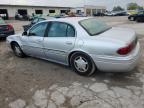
33, 41
59, 41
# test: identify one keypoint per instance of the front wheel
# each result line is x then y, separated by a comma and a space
82, 64
17, 50
131, 19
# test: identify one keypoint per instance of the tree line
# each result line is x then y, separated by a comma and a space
130, 6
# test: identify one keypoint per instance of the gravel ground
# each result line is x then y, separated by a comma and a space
35, 83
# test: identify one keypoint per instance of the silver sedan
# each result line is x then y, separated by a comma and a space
85, 44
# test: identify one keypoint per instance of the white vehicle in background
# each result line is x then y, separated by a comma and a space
116, 13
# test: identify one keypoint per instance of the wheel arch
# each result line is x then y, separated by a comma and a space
13, 42
81, 52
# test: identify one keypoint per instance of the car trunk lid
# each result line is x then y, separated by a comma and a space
4, 28
115, 34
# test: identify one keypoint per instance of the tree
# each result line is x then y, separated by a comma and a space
134, 6
118, 8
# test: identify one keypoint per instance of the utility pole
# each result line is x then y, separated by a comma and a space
85, 6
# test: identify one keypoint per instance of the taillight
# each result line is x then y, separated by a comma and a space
126, 50
10, 27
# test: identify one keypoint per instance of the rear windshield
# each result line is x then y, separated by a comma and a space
93, 26
2, 21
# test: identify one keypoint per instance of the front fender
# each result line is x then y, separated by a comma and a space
14, 38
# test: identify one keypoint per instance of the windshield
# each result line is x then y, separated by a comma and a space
2, 21
93, 26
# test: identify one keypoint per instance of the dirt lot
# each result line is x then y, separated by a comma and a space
34, 83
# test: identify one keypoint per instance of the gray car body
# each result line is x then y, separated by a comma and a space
102, 48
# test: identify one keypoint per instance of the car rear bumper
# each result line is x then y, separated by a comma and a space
6, 34
118, 64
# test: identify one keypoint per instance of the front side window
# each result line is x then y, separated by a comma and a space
93, 26
38, 30
59, 29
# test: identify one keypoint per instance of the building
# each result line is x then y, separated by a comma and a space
8, 11
89, 10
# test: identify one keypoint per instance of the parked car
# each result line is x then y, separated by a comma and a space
35, 16
108, 14
83, 43
137, 17
34, 21
22, 17
140, 18
4, 16
121, 13
116, 13
99, 14
5, 29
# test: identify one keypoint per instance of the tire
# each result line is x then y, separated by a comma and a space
17, 50
138, 20
87, 66
132, 19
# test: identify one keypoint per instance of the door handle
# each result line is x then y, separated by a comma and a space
69, 43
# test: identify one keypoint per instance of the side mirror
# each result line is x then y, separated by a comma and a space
24, 33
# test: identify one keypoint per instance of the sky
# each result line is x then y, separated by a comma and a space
73, 3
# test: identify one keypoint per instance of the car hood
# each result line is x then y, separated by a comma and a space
121, 35
14, 36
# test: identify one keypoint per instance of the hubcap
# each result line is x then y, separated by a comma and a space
81, 64
17, 50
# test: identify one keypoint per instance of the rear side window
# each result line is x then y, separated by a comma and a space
70, 31
59, 29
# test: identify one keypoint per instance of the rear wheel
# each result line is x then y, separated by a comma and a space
17, 50
138, 20
82, 64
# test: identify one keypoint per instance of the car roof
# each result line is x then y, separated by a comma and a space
70, 19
